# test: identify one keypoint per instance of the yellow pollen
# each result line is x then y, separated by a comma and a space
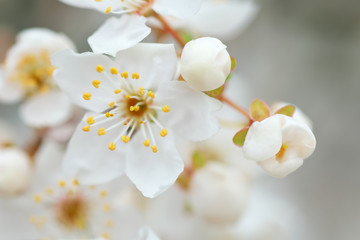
117, 91
163, 132
141, 122
96, 83
141, 90
76, 182
87, 96
112, 146
109, 115
33, 219
101, 131
127, 96
137, 108
49, 191
154, 149
107, 208
86, 129
147, 142
132, 108
166, 108
114, 70
151, 94
37, 198
111, 104
100, 68
103, 193
90, 120
135, 76
92, 187
109, 224
125, 139
98, 0
124, 75
108, 10
62, 183
105, 236
125, 123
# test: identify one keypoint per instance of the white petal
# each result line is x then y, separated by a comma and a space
118, 34
75, 73
9, 92
264, 139
154, 62
153, 173
46, 110
176, 8
281, 169
78, 3
88, 157
146, 233
191, 112
97, 5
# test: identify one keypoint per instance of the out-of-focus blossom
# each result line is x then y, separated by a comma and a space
205, 63
298, 114
279, 144
141, 106
27, 76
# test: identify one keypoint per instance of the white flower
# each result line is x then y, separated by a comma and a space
146, 233
27, 75
218, 193
205, 63
279, 144
140, 105
298, 114
15, 171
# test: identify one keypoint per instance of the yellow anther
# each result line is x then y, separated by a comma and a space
141, 122
103, 193
108, 10
154, 149
147, 142
141, 90
49, 191
128, 96
33, 219
114, 70
112, 146
90, 120
166, 108
151, 94
107, 208
92, 187
87, 96
105, 236
76, 182
100, 68
62, 183
101, 131
109, 224
96, 83
285, 146
125, 138
109, 115
111, 104
124, 75
98, 0
86, 129
125, 123
37, 198
163, 132
137, 108
117, 91
135, 76
132, 108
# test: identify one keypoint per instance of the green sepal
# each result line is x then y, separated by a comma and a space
233, 63
198, 160
240, 136
259, 110
287, 110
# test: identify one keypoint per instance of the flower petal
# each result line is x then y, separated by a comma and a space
75, 74
153, 173
154, 62
264, 139
176, 8
46, 110
191, 115
119, 33
78, 3
9, 92
281, 169
88, 157
146, 233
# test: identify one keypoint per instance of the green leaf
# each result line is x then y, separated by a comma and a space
240, 136
287, 110
259, 110
233, 63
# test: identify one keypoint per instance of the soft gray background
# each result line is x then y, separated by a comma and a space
306, 52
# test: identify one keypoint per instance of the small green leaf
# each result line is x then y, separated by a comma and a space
233, 63
259, 110
287, 110
240, 136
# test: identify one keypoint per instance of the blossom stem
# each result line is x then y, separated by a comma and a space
170, 30
36, 143
234, 106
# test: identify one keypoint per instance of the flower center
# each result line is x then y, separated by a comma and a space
132, 109
281, 153
131, 6
34, 73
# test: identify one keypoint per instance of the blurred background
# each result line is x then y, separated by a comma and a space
304, 52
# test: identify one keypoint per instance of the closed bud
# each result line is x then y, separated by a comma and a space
205, 64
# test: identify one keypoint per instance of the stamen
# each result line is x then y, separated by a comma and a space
62, 183
166, 108
37, 198
111, 105
101, 131
87, 96
112, 146
108, 10
76, 182
141, 90
154, 149
163, 132
86, 129
100, 68
103, 193
90, 120
96, 83
147, 143
151, 94
114, 70
117, 91
135, 76
49, 191
124, 75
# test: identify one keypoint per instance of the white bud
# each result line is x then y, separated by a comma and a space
205, 63
14, 170
219, 194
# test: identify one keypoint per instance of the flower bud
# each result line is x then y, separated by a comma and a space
205, 63
14, 171
218, 194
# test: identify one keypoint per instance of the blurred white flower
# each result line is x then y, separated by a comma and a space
279, 144
205, 63
298, 114
27, 75
128, 107
146, 233
15, 171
